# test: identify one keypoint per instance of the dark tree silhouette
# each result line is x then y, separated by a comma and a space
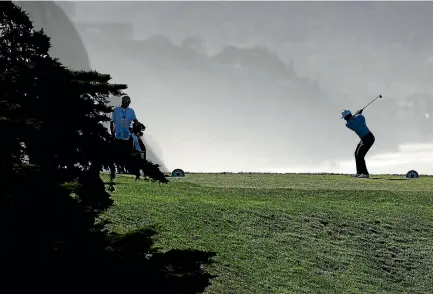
53, 147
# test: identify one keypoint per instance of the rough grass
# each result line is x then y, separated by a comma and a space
292, 233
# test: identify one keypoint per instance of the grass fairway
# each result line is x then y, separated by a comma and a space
292, 233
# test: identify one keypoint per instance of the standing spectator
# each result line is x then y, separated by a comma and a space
121, 120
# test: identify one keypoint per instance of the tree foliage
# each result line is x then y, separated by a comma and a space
53, 147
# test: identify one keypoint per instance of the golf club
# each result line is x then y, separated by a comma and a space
362, 109
380, 96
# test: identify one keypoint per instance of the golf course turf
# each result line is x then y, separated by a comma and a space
289, 233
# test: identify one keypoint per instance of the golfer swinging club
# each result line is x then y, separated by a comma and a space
357, 124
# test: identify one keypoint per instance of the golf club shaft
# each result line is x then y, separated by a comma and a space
380, 96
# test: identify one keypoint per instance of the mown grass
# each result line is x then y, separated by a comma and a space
292, 233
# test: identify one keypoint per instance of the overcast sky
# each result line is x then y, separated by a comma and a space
253, 86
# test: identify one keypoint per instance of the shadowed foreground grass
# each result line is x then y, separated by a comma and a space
292, 233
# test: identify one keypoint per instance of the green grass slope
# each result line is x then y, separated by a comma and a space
292, 233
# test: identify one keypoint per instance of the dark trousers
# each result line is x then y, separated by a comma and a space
122, 150
361, 150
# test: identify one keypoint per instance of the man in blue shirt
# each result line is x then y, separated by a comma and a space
122, 118
357, 124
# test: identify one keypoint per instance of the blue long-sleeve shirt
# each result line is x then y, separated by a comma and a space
357, 124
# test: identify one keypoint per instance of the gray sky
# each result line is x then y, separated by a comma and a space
260, 85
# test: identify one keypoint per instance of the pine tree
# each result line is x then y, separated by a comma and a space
53, 145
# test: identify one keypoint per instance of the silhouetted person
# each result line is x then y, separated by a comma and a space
136, 133
357, 124
121, 120
138, 161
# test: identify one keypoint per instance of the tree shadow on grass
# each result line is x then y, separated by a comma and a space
130, 263
50, 244
174, 271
